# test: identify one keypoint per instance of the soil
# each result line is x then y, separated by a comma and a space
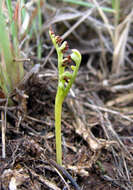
97, 121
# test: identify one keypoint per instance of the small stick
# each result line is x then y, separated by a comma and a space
65, 173
3, 131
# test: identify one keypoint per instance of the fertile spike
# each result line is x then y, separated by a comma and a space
65, 48
51, 31
58, 40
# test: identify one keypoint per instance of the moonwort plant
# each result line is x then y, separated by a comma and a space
65, 80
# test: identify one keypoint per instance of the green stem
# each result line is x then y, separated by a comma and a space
116, 7
58, 111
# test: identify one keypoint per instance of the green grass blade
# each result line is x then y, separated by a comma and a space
116, 7
39, 50
90, 5
9, 7
13, 26
6, 52
10, 72
23, 9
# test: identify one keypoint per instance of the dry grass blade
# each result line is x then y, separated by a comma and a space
97, 118
3, 131
119, 38
94, 143
112, 134
124, 98
120, 42
30, 15
105, 19
108, 110
62, 17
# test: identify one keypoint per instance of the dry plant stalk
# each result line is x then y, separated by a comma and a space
119, 38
